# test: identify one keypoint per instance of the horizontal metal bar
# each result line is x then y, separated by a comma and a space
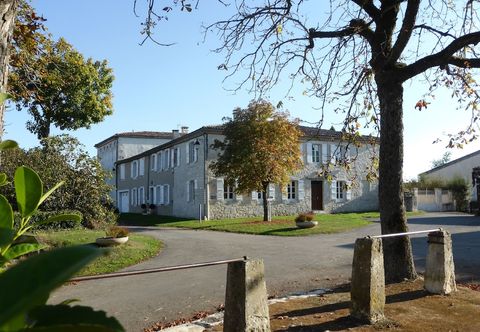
158, 269
406, 233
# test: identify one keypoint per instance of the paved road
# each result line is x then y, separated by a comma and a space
292, 264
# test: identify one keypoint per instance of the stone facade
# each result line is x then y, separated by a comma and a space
195, 192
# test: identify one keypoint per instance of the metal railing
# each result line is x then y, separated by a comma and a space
405, 233
158, 269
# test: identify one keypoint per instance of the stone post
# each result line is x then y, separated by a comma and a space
368, 281
246, 307
440, 269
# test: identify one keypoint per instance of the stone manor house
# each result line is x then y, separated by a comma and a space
171, 171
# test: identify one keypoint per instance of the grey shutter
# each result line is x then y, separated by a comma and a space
301, 190
284, 193
333, 152
188, 191
141, 167
271, 191
220, 189
254, 195
349, 191
333, 187
187, 152
324, 152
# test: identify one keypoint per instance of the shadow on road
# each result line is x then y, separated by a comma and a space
466, 220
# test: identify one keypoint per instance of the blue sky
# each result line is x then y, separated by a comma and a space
162, 88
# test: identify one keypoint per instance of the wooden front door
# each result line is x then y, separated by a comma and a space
317, 195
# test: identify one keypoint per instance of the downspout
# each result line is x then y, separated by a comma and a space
205, 178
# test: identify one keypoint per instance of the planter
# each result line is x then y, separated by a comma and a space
306, 224
111, 241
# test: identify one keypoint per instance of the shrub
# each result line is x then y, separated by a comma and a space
116, 231
63, 158
460, 192
305, 216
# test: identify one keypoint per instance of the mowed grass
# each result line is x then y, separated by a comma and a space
137, 249
281, 225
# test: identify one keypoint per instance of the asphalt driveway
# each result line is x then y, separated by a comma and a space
291, 263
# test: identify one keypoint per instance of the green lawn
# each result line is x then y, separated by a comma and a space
282, 225
137, 249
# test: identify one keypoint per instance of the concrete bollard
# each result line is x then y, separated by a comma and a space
440, 269
246, 307
368, 281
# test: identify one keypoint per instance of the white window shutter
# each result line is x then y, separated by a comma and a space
172, 164
333, 187
301, 190
187, 152
122, 171
131, 169
141, 167
219, 189
166, 197
302, 151
333, 151
309, 153
254, 195
349, 191
188, 191
271, 191
166, 154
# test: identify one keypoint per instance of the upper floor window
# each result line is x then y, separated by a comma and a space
134, 169
153, 162
316, 150
228, 192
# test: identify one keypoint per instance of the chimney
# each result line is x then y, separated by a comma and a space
184, 130
175, 133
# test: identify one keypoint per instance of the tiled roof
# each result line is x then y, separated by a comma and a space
138, 134
309, 132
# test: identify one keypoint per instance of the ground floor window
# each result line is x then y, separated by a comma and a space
341, 188
228, 192
292, 190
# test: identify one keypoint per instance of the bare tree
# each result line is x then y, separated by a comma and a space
7, 14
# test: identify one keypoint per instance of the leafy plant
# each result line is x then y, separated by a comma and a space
27, 285
460, 192
305, 216
116, 231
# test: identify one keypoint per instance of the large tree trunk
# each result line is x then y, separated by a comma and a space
398, 256
7, 16
266, 205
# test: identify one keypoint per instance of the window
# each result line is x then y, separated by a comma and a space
190, 191
192, 152
122, 172
153, 162
166, 159
159, 195
316, 149
341, 188
134, 169
292, 190
260, 195
159, 161
166, 194
227, 191
151, 195
141, 195
175, 157
134, 197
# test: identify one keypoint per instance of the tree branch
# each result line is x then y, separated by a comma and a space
358, 27
369, 8
405, 32
440, 58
